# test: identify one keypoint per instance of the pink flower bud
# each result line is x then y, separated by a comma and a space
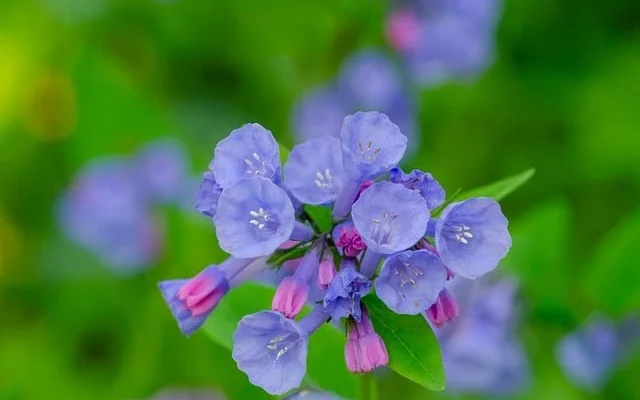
326, 271
290, 296
364, 350
444, 310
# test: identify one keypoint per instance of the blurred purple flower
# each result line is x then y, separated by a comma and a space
368, 80
105, 212
480, 350
444, 40
589, 355
161, 168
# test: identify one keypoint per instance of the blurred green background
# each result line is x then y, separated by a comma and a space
87, 78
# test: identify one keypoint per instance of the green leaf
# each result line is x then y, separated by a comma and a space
321, 216
500, 189
325, 363
539, 252
413, 349
284, 153
612, 275
281, 256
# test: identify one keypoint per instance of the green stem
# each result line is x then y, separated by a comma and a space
368, 387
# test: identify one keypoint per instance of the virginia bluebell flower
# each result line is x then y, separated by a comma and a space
255, 217
423, 183
207, 195
272, 349
410, 281
390, 217
472, 237
342, 298
371, 145
364, 350
161, 168
313, 172
589, 355
249, 151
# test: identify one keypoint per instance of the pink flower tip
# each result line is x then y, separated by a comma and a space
326, 272
290, 297
403, 30
444, 310
203, 292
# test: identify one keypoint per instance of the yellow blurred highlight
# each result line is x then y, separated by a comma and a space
50, 107
13, 69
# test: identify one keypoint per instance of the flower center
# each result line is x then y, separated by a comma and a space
281, 344
324, 181
462, 233
383, 227
256, 166
367, 152
264, 221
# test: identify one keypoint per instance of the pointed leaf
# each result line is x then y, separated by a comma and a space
500, 189
413, 349
321, 216
612, 275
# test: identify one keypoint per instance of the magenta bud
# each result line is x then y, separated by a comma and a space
290, 297
350, 241
444, 310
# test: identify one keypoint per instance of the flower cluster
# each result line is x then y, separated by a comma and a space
368, 80
443, 40
109, 208
391, 233
481, 352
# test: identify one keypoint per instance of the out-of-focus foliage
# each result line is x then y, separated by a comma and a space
84, 79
